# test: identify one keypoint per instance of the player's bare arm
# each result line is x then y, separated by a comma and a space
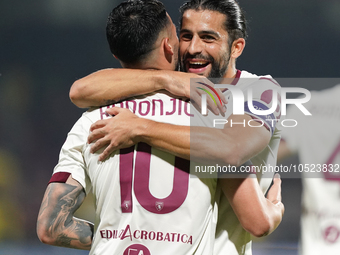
56, 224
258, 215
231, 145
126, 129
234, 144
112, 85
109, 86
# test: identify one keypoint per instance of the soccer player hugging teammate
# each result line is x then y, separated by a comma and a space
145, 198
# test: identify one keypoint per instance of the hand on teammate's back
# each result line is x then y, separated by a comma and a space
114, 133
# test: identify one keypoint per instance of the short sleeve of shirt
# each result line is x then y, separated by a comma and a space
71, 158
264, 95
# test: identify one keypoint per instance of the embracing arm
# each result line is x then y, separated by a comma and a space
126, 129
259, 215
231, 145
56, 224
112, 85
234, 144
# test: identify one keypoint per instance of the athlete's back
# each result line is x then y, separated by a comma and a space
146, 200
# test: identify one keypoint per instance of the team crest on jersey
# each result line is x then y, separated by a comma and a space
331, 234
126, 204
137, 249
159, 206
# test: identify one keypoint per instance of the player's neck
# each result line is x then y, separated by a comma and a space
157, 63
231, 70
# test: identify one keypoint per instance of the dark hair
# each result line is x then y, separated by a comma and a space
235, 23
133, 28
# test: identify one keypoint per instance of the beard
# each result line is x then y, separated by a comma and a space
218, 69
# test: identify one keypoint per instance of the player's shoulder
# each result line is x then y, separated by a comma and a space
82, 125
246, 74
250, 79
91, 115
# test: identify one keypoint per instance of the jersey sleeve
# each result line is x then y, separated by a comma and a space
71, 160
264, 95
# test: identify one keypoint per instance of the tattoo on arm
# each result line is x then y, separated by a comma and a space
58, 207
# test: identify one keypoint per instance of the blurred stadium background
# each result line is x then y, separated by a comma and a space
45, 45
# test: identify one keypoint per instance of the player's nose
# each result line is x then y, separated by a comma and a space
196, 46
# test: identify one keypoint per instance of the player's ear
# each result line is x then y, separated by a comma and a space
168, 49
237, 48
